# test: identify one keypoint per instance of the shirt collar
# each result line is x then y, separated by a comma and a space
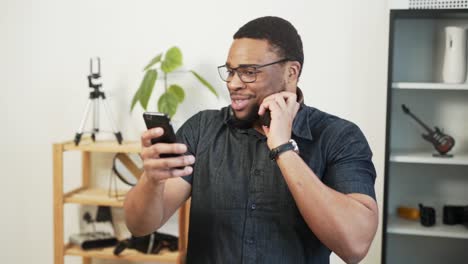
301, 127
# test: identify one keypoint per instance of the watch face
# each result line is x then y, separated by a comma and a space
296, 147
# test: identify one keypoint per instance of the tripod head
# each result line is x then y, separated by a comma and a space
94, 73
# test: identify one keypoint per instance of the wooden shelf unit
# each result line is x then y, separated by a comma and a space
94, 196
128, 254
88, 195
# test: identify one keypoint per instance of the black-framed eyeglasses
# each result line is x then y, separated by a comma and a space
246, 72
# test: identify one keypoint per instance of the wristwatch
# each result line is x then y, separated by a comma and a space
290, 145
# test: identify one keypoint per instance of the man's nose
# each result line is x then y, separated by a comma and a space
236, 83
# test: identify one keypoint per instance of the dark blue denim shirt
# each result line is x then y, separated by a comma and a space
242, 210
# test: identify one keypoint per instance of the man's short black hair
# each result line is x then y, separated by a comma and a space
279, 32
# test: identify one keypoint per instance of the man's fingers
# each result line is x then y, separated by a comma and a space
170, 148
281, 101
153, 151
150, 134
167, 163
271, 105
285, 100
289, 97
162, 174
296, 108
261, 110
291, 101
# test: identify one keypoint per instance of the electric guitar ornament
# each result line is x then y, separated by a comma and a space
443, 143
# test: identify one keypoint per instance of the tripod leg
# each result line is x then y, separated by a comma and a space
82, 123
117, 133
95, 119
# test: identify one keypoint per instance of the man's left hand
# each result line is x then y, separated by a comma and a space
283, 108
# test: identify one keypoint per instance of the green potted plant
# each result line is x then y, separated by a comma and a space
165, 64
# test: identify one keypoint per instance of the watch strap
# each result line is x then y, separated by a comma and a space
274, 153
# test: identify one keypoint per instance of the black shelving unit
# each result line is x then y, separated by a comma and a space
412, 174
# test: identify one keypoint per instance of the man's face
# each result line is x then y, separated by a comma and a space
247, 97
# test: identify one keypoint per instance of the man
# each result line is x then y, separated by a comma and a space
255, 197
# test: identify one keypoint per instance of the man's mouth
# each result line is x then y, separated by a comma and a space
239, 102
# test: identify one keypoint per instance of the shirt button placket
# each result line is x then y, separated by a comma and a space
256, 172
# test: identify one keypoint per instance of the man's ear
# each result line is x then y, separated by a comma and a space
293, 70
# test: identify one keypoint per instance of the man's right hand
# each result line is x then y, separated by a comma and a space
159, 169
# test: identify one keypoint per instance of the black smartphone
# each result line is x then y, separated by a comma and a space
265, 119
156, 119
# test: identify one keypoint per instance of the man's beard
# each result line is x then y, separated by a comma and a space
246, 122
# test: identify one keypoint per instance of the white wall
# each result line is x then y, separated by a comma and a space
44, 51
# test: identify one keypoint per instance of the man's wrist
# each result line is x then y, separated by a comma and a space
290, 145
285, 155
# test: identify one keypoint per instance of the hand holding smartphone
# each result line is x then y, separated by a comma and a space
175, 160
156, 119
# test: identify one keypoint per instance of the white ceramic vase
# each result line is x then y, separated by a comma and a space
454, 67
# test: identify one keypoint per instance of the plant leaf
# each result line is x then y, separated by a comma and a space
153, 61
135, 99
172, 60
205, 83
177, 91
168, 104
146, 88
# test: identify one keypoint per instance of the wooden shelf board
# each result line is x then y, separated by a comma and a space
398, 225
427, 158
104, 146
429, 86
94, 196
127, 254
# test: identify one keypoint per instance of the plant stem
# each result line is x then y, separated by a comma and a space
165, 82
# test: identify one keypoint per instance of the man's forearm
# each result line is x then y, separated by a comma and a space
344, 224
143, 206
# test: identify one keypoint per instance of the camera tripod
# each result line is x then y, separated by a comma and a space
95, 97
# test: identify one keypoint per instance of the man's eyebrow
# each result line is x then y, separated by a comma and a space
242, 65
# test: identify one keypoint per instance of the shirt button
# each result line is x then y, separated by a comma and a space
249, 241
256, 172
253, 206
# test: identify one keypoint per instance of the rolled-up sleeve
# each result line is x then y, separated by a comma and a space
349, 162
